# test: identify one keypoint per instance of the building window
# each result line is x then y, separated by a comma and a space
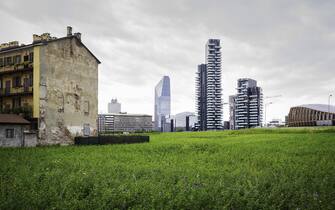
86, 107
1, 62
17, 81
25, 58
31, 57
31, 80
17, 59
16, 102
8, 61
10, 133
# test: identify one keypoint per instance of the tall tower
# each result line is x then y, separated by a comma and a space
209, 91
162, 101
248, 104
201, 94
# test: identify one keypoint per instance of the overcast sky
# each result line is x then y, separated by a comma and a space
287, 46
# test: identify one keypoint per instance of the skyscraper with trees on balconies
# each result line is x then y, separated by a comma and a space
248, 104
208, 89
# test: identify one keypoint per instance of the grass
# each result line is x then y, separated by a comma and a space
249, 169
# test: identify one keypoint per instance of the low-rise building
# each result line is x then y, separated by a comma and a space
275, 123
123, 122
311, 115
12, 130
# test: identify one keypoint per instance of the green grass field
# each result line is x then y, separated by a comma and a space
249, 169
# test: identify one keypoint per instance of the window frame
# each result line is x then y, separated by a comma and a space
10, 133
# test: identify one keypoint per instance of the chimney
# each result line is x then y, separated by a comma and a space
78, 35
69, 31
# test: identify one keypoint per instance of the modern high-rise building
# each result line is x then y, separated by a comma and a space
248, 104
114, 106
232, 106
162, 101
208, 89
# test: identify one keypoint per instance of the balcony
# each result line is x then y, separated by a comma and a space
17, 91
16, 69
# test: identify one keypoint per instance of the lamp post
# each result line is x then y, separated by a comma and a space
265, 113
330, 95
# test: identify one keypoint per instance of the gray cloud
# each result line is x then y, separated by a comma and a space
288, 46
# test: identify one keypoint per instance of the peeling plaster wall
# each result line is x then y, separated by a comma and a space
68, 91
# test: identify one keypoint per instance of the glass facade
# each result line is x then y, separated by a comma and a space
162, 101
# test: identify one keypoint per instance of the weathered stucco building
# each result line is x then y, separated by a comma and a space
54, 82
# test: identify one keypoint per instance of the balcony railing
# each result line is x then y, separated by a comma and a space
17, 91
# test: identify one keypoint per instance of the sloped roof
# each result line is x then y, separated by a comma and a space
13, 119
46, 42
319, 107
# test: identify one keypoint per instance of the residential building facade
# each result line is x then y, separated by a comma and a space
54, 83
248, 104
162, 101
122, 122
208, 89
114, 106
232, 107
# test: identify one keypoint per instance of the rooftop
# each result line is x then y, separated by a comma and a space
319, 107
13, 119
43, 39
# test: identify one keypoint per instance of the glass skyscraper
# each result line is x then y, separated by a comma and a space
162, 102
208, 89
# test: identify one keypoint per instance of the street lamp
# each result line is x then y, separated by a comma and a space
330, 95
265, 113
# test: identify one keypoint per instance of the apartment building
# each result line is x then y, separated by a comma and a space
208, 89
248, 104
53, 82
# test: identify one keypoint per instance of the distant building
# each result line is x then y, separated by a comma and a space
184, 119
54, 83
162, 101
232, 107
168, 123
275, 123
114, 106
208, 89
226, 125
123, 122
311, 115
248, 104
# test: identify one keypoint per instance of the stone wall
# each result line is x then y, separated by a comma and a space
68, 91
17, 141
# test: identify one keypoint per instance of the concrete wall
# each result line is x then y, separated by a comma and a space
30, 139
17, 141
68, 91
